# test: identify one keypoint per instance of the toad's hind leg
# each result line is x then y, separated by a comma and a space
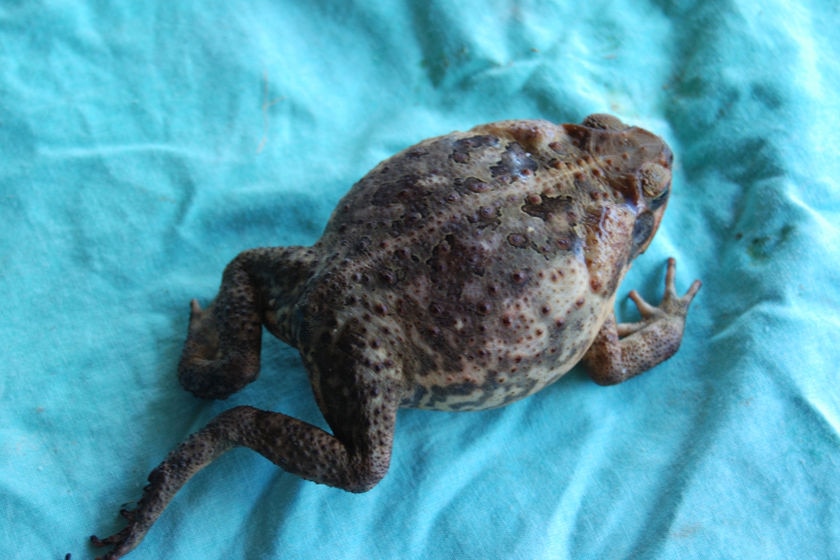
222, 351
355, 457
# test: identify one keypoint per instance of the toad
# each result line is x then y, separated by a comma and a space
464, 273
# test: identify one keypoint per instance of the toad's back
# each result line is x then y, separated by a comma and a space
484, 262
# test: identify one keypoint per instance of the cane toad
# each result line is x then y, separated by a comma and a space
466, 272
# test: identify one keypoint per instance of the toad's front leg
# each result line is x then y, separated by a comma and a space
623, 350
355, 457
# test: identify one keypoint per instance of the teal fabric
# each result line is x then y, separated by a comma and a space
144, 144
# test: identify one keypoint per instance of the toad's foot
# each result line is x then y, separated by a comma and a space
164, 481
139, 520
123, 542
623, 350
672, 308
222, 351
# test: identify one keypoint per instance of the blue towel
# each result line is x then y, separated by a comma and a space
144, 144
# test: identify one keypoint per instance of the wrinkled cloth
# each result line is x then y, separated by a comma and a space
144, 144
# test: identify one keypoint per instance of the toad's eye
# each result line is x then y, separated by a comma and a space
660, 199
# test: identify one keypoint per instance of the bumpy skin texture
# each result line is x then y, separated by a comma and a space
466, 272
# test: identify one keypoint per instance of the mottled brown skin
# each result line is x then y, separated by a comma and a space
464, 273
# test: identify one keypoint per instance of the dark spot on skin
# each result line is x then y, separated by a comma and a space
460, 157
484, 308
546, 206
464, 147
564, 244
413, 219
519, 276
473, 184
415, 153
518, 240
485, 215
560, 148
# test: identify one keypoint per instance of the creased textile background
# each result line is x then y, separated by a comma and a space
144, 144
